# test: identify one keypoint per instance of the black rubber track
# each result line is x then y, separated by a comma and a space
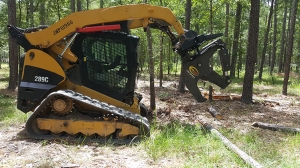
134, 119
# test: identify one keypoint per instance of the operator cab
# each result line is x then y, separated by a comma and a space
108, 62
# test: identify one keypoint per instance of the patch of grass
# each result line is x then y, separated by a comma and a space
4, 75
195, 147
269, 153
9, 114
289, 150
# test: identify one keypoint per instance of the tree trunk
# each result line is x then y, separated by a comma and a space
78, 4
280, 64
251, 51
151, 70
269, 47
31, 13
287, 35
226, 24
290, 47
13, 51
42, 14
274, 38
169, 58
101, 3
20, 12
58, 9
161, 55
210, 89
72, 6
27, 12
235, 39
161, 60
263, 56
188, 8
87, 4
240, 53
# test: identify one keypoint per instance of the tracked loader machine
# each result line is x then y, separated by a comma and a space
78, 75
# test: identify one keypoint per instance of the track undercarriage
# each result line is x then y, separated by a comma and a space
65, 113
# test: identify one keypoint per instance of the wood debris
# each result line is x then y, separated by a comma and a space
275, 127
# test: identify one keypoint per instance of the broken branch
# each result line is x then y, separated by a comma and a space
274, 127
248, 159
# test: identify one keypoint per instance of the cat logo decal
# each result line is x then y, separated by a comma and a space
193, 70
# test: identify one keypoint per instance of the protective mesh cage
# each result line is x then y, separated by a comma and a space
106, 62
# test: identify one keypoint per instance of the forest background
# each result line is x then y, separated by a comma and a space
275, 73
230, 17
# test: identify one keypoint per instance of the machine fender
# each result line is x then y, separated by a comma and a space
40, 73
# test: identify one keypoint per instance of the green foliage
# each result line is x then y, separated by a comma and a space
9, 115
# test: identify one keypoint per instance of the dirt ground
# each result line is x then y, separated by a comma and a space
18, 150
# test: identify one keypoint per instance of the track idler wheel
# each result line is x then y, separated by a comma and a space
119, 135
36, 129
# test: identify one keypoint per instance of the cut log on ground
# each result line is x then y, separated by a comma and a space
248, 159
267, 101
275, 127
232, 97
215, 113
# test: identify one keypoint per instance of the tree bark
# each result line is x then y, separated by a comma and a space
188, 8
72, 6
31, 13
13, 48
79, 6
274, 38
263, 56
161, 55
151, 69
235, 39
280, 64
251, 51
240, 54
42, 17
226, 23
101, 3
290, 47
58, 9
248, 159
161, 60
275, 127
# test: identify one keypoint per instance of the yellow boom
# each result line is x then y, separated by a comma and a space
139, 15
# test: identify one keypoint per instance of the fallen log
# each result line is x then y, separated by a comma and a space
248, 159
267, 101
275, 127
221, 97
215, 113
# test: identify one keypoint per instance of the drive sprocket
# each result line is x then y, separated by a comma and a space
62, 105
